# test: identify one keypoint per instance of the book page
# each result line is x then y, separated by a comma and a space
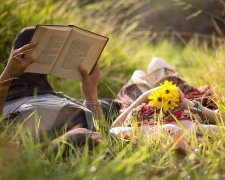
80, 49
50, 43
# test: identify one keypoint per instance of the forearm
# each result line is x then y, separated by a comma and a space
93, 104
5, 82
212, 116
208, 113
89, 86
16, 65
97, 110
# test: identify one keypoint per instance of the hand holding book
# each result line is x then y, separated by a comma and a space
89, 86
89, 83
17, 64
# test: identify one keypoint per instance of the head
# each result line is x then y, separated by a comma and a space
23, 37
27, 83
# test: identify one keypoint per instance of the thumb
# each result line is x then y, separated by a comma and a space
30, 60
83, 72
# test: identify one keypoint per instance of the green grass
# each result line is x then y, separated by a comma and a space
198, 63
116, 160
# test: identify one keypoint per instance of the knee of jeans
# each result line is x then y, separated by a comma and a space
138, 74
157, 63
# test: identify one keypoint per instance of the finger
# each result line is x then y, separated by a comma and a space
15, 58
26, 48
96, 70
83, 72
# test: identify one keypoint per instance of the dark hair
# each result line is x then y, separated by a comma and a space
23, 37
27, 83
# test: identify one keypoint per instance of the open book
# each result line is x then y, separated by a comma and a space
62, 49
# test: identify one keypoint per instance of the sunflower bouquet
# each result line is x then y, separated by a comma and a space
165, 97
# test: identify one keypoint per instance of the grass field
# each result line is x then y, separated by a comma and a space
22, 157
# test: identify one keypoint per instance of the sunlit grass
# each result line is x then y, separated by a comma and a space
115, 159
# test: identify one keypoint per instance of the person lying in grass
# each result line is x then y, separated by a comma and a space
169, 116
29, 98
26, 96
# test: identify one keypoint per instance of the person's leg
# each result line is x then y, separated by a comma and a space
133, 89
166, 129
158, 63
138, 74
153, 132
28, 83
211, 128
159, 70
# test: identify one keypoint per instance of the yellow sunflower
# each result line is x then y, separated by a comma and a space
169, 105
156, 99
165, 97
169, 91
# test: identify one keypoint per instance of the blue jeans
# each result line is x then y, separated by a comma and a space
29, 83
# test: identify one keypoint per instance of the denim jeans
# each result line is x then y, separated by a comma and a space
30, 84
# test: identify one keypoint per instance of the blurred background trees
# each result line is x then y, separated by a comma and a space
160, 16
